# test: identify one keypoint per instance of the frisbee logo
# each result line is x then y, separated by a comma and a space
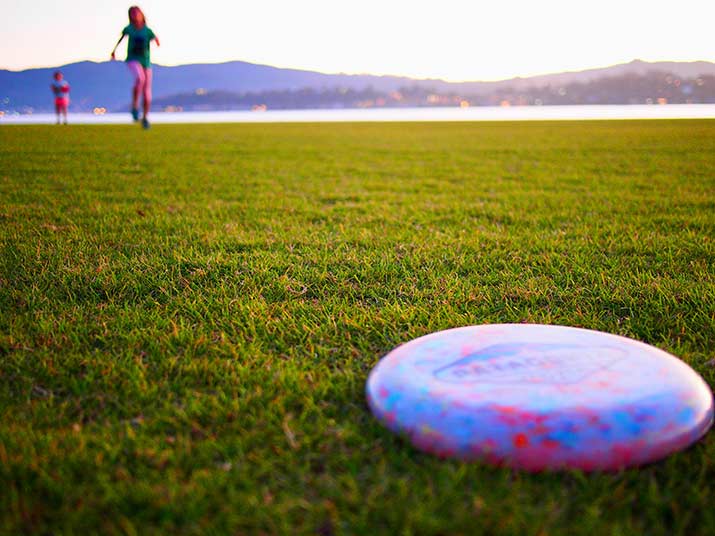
530, 363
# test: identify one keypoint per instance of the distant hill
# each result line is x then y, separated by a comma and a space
636, 67
106, 84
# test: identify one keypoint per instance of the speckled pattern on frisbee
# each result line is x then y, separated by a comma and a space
540, 397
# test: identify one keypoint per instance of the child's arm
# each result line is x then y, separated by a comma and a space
115, 46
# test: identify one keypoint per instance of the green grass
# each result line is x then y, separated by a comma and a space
189, 315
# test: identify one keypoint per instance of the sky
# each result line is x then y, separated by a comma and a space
450, 39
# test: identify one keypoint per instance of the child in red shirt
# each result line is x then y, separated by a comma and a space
61, 89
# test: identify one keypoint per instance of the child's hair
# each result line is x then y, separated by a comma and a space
137, 9
57, 73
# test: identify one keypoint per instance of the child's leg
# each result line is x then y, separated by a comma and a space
57, 111
139, 82
147, 91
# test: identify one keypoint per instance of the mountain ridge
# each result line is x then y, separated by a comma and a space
106, 84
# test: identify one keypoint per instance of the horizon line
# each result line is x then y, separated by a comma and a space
380, 75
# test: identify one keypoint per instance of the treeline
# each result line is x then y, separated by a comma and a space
306, 98
652, 88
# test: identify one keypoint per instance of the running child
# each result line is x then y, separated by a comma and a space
61, 90
138, 60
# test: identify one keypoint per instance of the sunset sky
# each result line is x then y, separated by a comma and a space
449, 39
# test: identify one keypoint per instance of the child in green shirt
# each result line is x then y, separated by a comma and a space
139, 60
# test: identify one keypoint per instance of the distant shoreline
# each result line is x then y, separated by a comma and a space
447, 114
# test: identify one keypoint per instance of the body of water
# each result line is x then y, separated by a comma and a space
477, 113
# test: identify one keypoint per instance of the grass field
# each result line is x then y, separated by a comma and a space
189, 315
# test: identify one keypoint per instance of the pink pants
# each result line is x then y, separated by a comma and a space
142, 79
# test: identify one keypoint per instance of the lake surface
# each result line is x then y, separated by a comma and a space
477, 113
